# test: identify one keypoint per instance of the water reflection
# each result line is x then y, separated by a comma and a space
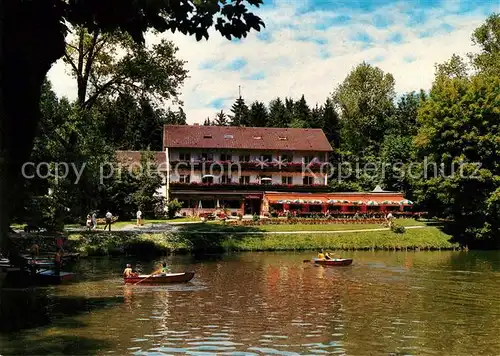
261, 303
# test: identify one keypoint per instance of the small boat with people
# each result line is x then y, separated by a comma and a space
333, 262
160, 276
324, 259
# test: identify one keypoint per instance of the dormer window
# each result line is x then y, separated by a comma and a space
282, 138
257, 137
228, 136
207, 136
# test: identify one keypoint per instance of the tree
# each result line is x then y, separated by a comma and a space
316, 118
176, 117
455, 67
240, 113
221, 119
277, 114
32, 37
301, 113
404, 120
94, 62
135, 124
365, 99
207, 122
258, 114
331, 124
487, 37
396, 153
149, 181
459, 134
70, 140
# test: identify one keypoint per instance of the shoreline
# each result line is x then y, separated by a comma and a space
220, 238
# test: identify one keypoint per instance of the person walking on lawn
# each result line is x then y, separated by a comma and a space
109, 218
139, 217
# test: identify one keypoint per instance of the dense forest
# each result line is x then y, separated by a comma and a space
439, 146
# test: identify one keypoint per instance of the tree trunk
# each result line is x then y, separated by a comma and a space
31, 39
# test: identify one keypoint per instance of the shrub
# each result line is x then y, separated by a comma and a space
173, 206
398, 229
256, 218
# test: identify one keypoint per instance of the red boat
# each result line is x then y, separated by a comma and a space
160, 278
333, 262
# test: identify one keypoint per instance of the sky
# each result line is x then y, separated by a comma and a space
309, 47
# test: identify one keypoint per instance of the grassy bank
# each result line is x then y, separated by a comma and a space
219, 237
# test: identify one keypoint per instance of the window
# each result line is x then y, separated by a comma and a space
184, 178
266, 180
207, 156
287, 158
226, 157
266, 158
308, 159
257, 137
286, 180
207, 136
282, 138
207, 179
308, 181
225, 180
245, 180
184, 156
228, 136
245, 158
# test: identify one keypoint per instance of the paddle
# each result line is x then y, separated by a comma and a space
152, 274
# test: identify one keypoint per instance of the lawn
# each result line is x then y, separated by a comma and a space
425, 238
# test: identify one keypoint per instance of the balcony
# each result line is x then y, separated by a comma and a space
250, 165
250, 187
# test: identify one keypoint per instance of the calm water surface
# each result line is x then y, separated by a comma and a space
408, 303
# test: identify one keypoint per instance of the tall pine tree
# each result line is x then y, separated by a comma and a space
207, 122
277, 114
259, 115
240, 113
221, 119
331, 124
301, 113
316, 118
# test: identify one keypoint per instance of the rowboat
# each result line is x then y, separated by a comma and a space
333, 262
51, 277
160, 278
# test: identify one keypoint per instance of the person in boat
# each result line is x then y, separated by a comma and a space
128, 271
58, 262
34, 251
321, 255
163, 269
327, 256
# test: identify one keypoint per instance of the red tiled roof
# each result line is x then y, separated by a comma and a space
134, 157
232, 137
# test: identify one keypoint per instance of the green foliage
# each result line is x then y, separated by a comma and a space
365, 99
460, 131
99, 70
193, 18
173, 207
135, 124
240, 113
487, 38
220, 119
255, 217
278, 115
146, 197
258, 114
398, 229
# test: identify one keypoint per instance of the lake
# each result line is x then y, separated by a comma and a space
402, 303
